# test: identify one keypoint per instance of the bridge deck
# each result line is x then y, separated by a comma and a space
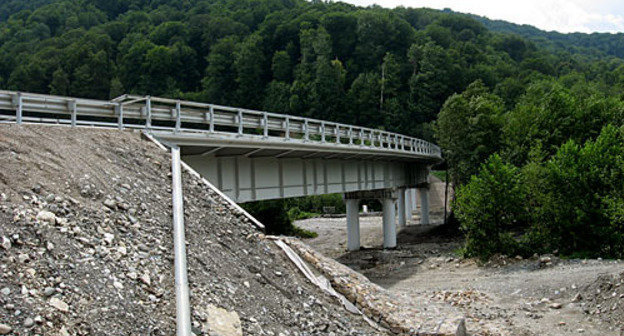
222, 130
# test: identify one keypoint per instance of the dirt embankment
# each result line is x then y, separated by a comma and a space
86, 247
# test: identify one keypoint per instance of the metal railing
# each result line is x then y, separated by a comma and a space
162, 114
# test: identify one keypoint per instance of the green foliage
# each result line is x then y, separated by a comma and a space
468, 129
491, 208
381, 68
582, 195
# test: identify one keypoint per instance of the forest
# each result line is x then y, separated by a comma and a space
530, 122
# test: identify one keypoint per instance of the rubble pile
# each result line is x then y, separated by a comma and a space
86, 247
604, 299
393, 311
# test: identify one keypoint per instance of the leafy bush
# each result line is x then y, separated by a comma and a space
277, 219
583, 195
491, 207
296, 214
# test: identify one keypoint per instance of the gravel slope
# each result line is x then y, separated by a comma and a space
512, 297
86, 247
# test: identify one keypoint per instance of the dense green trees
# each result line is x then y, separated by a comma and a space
377, 67
553, 181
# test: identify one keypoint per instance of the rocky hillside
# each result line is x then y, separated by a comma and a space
86, 247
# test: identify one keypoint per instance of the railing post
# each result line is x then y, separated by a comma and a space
73, 107
350, 135
148, 111
306, 133
211, 127
402, 142
361, 137
287, 135
119, 112
265, 121
18, 109
240, 122
322, 131
337, 133
178, 123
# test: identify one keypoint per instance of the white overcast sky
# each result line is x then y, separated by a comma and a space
561, 15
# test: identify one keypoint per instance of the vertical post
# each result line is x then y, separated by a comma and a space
409, 196
178, 123
401, 208
212, 118
350, 135
148, 111
265, 121
240, 122
353, 224
361, 137
18, 110
306, 132
337, 133
389, 224
424, 205
73, 106
322, 131
287, 128
183, 311
119, 111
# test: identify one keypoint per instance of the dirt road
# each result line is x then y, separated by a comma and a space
538, 296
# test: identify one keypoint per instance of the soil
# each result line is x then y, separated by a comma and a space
86, 247
543, 295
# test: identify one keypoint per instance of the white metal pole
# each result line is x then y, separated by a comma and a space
183, 311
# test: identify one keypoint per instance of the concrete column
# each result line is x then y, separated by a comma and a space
389, 224
353, 224
409, 209
424, 205
402, 208
414, 200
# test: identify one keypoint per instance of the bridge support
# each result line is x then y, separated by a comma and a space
424, 205
389, 223
409, 209
353, 224
402, 208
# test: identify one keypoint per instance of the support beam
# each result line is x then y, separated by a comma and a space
353, 224
183, 311
401, 208
389, 223
424, 205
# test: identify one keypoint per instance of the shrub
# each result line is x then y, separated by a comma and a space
491, 207
583, 194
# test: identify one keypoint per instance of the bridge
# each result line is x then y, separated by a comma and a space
255, 155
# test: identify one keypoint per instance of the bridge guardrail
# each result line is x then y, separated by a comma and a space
155, 113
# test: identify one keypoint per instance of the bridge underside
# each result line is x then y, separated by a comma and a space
246, 171
248, 175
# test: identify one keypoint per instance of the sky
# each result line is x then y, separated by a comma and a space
564, 16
